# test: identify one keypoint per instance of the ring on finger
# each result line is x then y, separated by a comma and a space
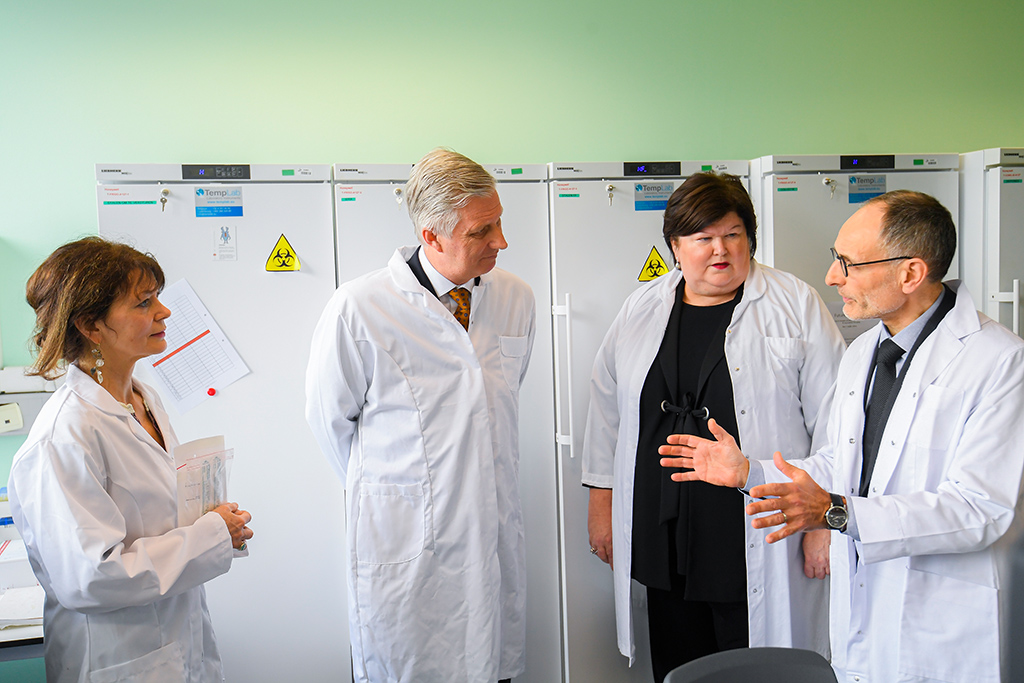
785, 519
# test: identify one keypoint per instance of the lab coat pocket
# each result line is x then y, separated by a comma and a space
935, 417
159, 666
390, 524
513, 354
786, 358
954, 617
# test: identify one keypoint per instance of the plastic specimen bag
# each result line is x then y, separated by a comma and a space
203, 469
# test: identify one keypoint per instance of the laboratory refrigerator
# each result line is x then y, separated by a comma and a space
992, 231
256, 244
606, 241
801, 202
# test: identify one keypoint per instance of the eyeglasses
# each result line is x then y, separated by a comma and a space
845, 265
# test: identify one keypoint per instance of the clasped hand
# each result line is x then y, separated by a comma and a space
798, 505
236, 520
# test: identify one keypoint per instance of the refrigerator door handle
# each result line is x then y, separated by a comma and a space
1012, 297
564, 439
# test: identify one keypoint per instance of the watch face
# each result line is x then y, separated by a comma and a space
836, 517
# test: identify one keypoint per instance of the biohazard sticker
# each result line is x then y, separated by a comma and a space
654, 268
283, 257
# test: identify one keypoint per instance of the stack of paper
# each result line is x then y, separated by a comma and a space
22, 607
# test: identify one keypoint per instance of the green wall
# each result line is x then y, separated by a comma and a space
312, 81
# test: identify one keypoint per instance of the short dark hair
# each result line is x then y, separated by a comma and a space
79, 282
705, 198
917, 224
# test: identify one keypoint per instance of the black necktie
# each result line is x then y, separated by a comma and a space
877, 412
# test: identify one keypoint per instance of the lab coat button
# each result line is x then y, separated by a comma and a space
751, 545
743, 412
754, 591
852, 440
874, 490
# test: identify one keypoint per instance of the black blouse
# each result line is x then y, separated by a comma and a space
694, 529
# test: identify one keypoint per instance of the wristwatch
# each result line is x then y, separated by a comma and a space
837, 516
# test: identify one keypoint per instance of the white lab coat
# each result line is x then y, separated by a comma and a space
924, 580
783, 350
421, 420
94, 497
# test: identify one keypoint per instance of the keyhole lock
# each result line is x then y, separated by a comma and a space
830, 183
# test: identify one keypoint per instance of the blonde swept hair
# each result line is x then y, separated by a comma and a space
440, 185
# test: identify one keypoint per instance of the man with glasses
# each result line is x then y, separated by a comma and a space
921, 477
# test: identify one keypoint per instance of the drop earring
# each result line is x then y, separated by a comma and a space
97, 364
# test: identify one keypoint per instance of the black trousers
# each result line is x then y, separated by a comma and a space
683, 630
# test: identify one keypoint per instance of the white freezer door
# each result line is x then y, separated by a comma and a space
372, 221
279, 614
370, 225
600, 248
802, 216
1004, 244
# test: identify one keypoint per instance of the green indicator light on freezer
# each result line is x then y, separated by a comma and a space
140, 202
705, 168
517, 171
787, 189
918, 162
348, 199
287, 171
568, 195
1013, 180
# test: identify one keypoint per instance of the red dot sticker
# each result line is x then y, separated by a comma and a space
211, 391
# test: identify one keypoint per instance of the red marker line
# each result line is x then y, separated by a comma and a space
4, 546
182, 347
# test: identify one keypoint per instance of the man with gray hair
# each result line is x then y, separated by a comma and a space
920, 478
412, 393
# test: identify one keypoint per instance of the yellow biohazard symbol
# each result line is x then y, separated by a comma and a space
654, 268
283, 257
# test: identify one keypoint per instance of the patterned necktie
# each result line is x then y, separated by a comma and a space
877, 414
460, 295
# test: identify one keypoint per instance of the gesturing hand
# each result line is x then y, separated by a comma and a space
717, 462
799, 504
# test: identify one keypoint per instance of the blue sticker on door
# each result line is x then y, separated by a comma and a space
218, 201
864, 187
651, 196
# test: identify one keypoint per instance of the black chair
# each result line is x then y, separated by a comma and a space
756, 664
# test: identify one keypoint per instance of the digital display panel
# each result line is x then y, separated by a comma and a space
642, 168
214, 172
868, 161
